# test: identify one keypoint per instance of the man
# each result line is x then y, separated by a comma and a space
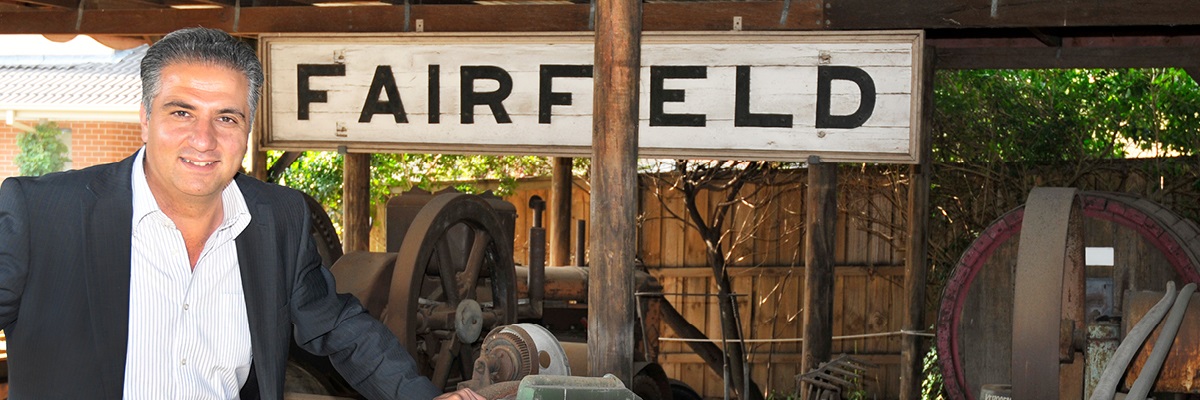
169, 275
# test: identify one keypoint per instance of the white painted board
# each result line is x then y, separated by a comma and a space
488, 94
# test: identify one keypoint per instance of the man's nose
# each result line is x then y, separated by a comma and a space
204, 137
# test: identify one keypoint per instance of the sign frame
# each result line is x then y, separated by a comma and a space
904, 150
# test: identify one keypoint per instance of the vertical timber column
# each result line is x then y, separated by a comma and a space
820, 219
614, 188
258, 157
356, 202
915, 267
560, 211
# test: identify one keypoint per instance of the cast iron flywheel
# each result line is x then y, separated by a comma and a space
453, 282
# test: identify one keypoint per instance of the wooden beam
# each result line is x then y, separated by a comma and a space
282, 164
356, 202
957, 14
58, 4
1193, 71
437, 18
916, 247
1066, 57
820, 219
614, 188
560, 211
1046, 38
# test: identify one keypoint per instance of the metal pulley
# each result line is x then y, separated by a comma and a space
1048, 316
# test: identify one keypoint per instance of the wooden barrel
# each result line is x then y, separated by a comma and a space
1150, 245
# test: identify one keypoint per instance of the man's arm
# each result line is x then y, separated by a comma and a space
14, 249
362, 349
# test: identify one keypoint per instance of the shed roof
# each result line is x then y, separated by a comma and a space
94, 82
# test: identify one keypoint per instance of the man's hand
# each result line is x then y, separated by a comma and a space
461, 394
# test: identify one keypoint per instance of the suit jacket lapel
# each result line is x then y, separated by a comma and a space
262, 279
107, 221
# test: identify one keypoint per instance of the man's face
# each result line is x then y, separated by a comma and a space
195, 132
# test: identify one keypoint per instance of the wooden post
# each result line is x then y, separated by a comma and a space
820, 219
258, 157
614, 188
911, 354
560, 211
356, 202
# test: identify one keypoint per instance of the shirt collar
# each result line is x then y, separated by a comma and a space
237, 214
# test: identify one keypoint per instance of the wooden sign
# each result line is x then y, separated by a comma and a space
842, 96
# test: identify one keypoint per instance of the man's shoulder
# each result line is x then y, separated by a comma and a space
66, 180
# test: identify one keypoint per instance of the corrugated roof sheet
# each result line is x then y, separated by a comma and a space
56, 82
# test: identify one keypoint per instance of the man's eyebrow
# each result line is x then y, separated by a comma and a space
179, 104
233, 111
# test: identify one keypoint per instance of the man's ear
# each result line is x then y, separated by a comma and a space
144, 121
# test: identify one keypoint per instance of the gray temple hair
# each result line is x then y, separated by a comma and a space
205, 46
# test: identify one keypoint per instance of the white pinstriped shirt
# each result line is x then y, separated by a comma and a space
189, 337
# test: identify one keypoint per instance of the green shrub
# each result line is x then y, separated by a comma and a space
41, 151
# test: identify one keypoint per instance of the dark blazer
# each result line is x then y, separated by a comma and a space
64, 291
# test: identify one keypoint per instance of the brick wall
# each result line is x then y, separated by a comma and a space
91, 143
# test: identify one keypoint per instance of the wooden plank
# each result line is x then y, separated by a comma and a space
652, 230
790, 208
672, 285
879, 309
744, 228
717, 16
930, 14
1067, 57
899, 308
985, 327
694, 250
787, 358
839, 314
673, 230
777, 270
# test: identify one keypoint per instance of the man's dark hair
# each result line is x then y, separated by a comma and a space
204, 46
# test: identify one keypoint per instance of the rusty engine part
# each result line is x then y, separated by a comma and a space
513, 352
452, 278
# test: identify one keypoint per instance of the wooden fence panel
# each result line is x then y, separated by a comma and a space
765, 256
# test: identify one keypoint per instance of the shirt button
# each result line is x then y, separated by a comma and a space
185, 306
183, 362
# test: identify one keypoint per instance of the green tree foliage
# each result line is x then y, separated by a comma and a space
41, 151
1040, 116
320, 173
999, 133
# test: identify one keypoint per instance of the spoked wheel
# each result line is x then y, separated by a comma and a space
453, 282
324, 236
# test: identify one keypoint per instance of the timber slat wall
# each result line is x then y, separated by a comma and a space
767, 273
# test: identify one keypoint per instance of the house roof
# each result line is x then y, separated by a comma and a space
107, 83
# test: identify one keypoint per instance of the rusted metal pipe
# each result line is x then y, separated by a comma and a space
580, 243
537, 257
1163, 346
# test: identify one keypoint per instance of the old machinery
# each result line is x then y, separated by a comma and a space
1024, 316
